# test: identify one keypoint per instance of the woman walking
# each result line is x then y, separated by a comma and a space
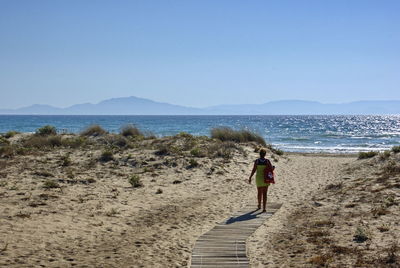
262, 187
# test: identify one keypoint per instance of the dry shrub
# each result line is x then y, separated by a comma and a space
228, 134
321, 260
342, 250
117, 140
94, 131
222, 149
130, 131
106, 156
74, 142
8, 151
3, 164
163, 149
50, 184
334, 187
379, 211
43, 173
42, 141
323, 223
391, 168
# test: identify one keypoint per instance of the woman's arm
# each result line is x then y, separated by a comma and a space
253, 171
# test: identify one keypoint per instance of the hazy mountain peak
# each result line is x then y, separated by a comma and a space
139, 106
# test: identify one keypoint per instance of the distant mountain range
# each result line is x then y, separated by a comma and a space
140, 106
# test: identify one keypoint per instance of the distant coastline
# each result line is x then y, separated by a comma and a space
140, 106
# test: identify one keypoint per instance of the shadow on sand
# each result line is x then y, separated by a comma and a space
245, 217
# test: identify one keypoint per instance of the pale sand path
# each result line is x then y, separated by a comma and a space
108, 224
298, 178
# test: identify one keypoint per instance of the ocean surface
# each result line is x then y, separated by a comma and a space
298, 133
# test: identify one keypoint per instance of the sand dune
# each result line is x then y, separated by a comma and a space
94, 217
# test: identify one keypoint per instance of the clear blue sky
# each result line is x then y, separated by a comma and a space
198, 53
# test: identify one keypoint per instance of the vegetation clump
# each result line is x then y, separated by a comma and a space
66, 160
3, 141
46, 131
134, 180
73, 142
198, 152
222, 149
118, 141
39, 141
10, 134
396, 149
275, 150
106, 156
228, 134
130, 131
365, 155
360, 235
7, 151
391, 168
193, 163
50, 184
93, 131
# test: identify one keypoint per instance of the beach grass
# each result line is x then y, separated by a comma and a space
228, 134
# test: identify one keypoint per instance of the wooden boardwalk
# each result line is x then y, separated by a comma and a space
225, 244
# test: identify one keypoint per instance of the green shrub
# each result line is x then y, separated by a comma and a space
364, 155
74, 142
134, 180
3, 141
130, 131
360, 235
197, 152
10, 134
193, 163
66, 160
396, 149
274, 150
228, 134
46, 131
94, 131
384, 155
106, 156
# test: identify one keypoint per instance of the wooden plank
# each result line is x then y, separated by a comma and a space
225, 244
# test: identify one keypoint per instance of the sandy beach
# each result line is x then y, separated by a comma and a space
72, 206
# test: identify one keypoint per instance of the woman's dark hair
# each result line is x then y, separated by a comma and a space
263, 152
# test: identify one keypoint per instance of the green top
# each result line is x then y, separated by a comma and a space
260, 176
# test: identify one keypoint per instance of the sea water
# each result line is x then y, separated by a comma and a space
294, 133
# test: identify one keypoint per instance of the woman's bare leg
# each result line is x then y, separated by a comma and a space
264, 197
259, 196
